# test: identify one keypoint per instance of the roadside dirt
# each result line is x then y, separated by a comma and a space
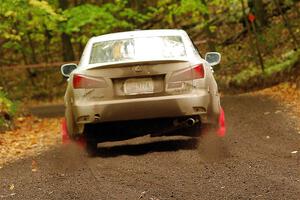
286, 94
258, 159
30, 137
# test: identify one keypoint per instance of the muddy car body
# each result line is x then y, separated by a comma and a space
141, 75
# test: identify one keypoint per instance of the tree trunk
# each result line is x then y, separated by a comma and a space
135, 4
260, 13
257, 7
68, 53
248, 28
67, 48
259, 54
32, 48
47, 40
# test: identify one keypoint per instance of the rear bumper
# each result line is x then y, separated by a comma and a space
195, 103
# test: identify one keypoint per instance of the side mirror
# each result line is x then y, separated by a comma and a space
213, 58
66, 69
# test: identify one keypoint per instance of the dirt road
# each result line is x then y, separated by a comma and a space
256, 160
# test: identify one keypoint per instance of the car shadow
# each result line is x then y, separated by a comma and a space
150, 147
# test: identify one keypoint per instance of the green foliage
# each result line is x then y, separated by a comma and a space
20, 17
90, 20
272, 68
24, 23
179, 13
7, 107
285, 62
31, 31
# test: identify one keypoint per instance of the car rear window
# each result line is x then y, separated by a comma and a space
140, 48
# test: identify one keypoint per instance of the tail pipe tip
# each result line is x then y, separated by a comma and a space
191, 121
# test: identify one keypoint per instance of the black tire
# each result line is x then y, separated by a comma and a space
194, 131
91, 147
91, 141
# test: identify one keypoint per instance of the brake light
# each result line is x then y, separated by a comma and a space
86, 82
198, 72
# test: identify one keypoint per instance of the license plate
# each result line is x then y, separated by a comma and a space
138, 86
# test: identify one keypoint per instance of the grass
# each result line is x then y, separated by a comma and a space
274, 67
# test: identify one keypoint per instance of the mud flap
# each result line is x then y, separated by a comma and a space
81, 141
222, 127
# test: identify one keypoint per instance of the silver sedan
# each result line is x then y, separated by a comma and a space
154, 75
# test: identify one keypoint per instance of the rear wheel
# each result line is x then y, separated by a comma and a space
91, 140
70, 123
91, 147
195, 130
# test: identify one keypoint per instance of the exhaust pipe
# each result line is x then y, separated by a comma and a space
178, 125
190, 122
186, 123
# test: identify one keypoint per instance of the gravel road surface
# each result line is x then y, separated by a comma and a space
258, 159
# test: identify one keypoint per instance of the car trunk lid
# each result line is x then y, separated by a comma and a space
140, 79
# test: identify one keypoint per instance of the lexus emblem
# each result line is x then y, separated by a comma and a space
137, 69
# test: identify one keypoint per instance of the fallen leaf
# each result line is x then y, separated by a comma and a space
293, 152
33, 166
33, 141
21, 119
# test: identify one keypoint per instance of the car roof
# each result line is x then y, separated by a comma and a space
138, 33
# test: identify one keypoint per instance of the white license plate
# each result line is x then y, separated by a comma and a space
138, 86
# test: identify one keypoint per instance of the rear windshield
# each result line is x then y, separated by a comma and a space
140, 48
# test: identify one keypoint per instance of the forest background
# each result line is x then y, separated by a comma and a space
258, 39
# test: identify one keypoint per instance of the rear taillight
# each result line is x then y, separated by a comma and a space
196, 72
86, 82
